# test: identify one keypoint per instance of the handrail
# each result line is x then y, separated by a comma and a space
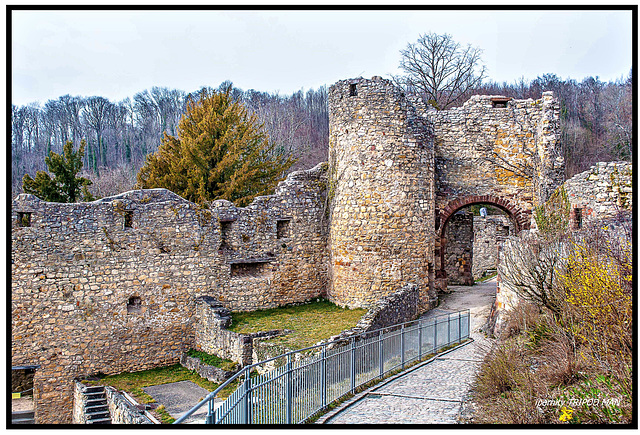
394, 330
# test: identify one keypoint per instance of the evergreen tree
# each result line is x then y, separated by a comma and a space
221, 152
65, 186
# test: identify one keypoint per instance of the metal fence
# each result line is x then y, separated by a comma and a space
294, 386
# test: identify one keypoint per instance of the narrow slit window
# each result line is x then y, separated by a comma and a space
134, 305
353, 90
251, 270
282, 228
499, 103
577, 218
24, 219
128, 219
225, 232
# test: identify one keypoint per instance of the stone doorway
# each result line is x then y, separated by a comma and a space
470, 232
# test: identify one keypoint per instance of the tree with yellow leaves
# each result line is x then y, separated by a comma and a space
221, 152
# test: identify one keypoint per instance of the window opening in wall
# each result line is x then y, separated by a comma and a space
353, 90
134, 305
24, 219
225, 232
128, 219
499, 103
22, 403
282, 228
251, 269
577, 218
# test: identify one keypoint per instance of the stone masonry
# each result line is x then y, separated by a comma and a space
111, 285
381, 194
595, 195
489, 232
459, 257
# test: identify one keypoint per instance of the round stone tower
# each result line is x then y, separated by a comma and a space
381, 193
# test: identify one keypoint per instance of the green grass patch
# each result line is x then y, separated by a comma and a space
311, 322
134, 382
213, 360
486, 278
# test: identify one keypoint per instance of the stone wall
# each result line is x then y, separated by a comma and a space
493, 150
212, 373
600, 192
489, 232
213, 337
109, 286
397, 307
381, 194
460, 254
122, 411
79, 399
482, 147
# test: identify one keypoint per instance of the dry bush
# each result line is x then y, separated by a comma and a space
112, 181
577, 348
503, 370
518, 320
561, 364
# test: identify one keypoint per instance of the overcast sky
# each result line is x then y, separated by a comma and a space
116, 54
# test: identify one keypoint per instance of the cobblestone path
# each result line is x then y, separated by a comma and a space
434, 392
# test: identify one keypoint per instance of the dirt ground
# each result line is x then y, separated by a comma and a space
22, 404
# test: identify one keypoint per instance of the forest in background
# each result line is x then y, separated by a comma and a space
596, 125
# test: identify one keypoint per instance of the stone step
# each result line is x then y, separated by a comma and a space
96, 408
95, 389
96, 402
23, 417
100, 421
91, 396
98, 415
23, 421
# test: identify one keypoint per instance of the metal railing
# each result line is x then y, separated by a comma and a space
292, 387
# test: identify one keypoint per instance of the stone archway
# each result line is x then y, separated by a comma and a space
521, 219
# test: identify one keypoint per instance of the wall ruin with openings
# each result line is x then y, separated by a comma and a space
110, 285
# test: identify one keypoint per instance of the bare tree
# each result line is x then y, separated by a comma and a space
440, 69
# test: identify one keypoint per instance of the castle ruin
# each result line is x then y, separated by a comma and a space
110, 286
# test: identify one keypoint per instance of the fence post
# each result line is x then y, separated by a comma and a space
435, 335
380, 354
211, 415
460, 326
289, 388
402, 346
468, 323
247, 400
353, 364
419, 339
448, 329
323, 376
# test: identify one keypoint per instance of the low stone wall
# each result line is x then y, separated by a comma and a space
122, 411
398, 307
78, 403
212, 373
213, 337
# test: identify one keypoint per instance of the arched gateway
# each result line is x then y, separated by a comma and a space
399, 171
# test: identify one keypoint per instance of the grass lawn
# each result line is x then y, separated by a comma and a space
133, 383
312, 322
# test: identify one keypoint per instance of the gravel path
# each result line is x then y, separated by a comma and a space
433, 392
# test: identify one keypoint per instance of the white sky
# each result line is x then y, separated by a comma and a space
116, 54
